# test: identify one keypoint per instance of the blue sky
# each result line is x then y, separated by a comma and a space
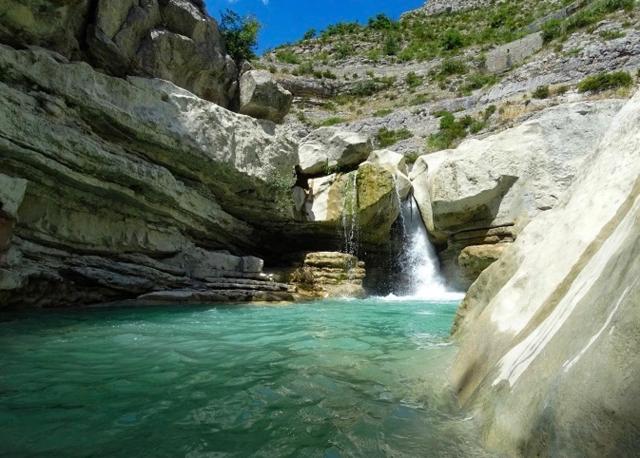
287, 20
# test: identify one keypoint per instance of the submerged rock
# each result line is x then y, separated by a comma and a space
262, 97
552, 325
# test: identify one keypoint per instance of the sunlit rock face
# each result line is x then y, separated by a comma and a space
365, 199
549, 332
328, 149
262, 97
486, 190
105, 180
169, 39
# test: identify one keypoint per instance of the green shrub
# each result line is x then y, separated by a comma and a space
488, 112
343, 50
391, 45
340, 29
420, 99
478, 81
552, 29
561, 90
287, 56
411, 157
329, 75
381, 22
310, 34
386, 137
239, 34
413, 80
452, 129
604, 81
382, 113
332, 121
611, 34
452, 67
541, 92
452, 39
365, 88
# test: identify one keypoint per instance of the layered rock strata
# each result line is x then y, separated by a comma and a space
107, 181
329, 274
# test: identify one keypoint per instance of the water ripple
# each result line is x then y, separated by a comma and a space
330, 379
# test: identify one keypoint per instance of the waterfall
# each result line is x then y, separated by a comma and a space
350, 215
420, 262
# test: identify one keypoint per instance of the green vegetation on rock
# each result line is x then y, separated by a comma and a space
593, 13
239, 34
386, 137
604, 81
541, 92
452, 129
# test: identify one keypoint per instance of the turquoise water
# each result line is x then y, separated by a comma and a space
327, 379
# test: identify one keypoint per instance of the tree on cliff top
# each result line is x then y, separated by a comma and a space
240, 35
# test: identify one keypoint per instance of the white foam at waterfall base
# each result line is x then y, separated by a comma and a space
421, 261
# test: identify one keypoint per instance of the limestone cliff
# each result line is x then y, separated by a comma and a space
549, 333
112, 176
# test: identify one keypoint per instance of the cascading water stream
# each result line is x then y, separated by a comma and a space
350, 227
420, 262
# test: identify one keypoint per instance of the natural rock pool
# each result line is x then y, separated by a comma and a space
332, 378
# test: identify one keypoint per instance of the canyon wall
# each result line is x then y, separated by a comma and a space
549, 333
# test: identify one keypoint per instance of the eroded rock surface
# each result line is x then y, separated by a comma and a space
108, 180
329, 148
549, 331
169, 39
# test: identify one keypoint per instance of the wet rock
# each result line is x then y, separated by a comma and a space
329, 274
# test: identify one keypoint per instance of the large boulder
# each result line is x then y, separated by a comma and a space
396, 164
378, 202
504, 180
549, 333
330, 148
262, 97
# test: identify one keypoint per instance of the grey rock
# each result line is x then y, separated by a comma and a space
125, 179
328, 148
262, 97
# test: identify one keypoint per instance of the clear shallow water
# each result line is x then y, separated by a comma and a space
328, 379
